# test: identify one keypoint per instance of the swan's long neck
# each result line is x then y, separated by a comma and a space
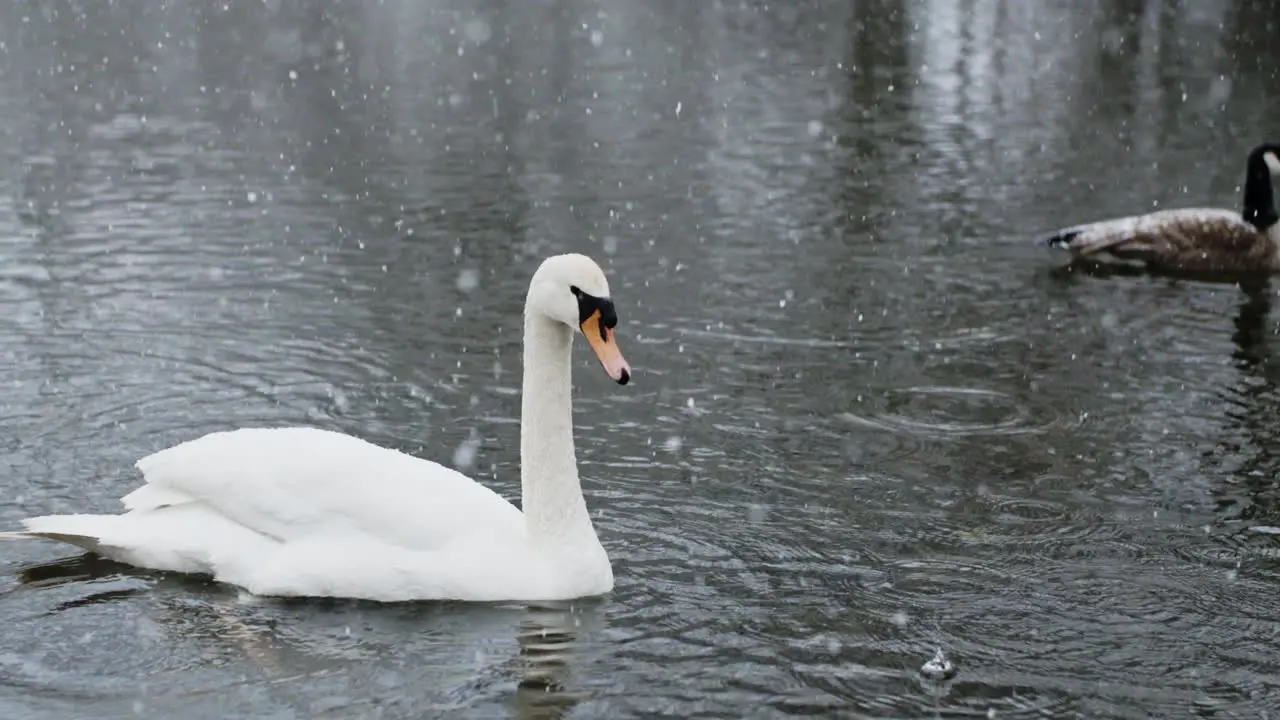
551, 495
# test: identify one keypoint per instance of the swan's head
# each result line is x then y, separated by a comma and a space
572, 289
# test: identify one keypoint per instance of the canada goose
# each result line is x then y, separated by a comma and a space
1194, 239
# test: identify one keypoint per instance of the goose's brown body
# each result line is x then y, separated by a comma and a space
1193, 240
1211, 241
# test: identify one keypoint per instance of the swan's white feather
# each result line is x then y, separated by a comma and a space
150, 497
302, 511
189, 538
292, 483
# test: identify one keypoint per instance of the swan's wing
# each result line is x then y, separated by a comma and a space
298, 483
1169, 237
154, 497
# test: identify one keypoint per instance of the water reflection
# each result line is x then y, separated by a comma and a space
523, 657
548, 642
1246, 451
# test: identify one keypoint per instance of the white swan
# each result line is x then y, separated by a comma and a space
307, 512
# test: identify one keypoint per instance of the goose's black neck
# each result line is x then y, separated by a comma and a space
1259, 201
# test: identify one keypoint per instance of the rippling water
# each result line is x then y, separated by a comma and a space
870, 418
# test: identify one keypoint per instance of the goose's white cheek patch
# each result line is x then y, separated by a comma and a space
1273, 162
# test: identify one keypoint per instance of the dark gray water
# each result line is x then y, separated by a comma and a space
869, 419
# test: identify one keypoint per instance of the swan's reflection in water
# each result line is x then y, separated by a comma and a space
421, 658
548, 640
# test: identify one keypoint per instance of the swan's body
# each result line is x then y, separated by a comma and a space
1193, 240
307, 512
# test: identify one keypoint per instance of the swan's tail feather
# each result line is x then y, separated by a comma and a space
186, 538
85, 542
83, 531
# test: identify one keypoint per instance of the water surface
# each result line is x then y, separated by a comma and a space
868, 418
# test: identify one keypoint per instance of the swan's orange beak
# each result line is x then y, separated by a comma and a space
601, 339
